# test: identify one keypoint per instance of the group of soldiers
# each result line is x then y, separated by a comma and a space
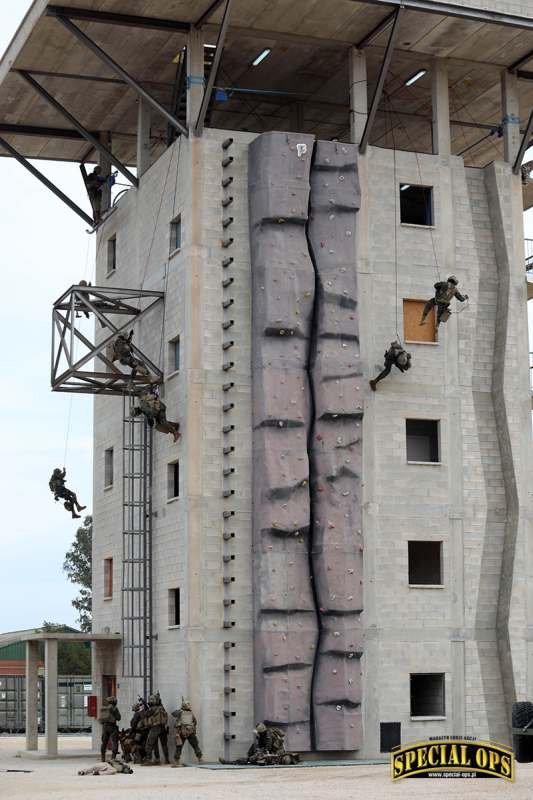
396, 355
146, 739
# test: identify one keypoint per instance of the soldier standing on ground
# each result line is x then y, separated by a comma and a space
185, 730
155, 719
109, 716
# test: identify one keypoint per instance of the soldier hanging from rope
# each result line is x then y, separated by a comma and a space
94, 184
155, 412
57, 485
395, 356
122, 351
445, 291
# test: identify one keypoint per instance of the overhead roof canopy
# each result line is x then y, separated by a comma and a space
307, 66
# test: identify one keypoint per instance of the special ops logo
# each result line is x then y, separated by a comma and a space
452, 758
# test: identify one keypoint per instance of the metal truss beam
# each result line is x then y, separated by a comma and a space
381, 82
375, 32
39, 130
91, 138
524, 75
214, 69
523, 145
129, 20
121, 72
521, 62
455, 10
208, 13
44, 180
102, 304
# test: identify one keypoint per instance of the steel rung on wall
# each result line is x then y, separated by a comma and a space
136, 547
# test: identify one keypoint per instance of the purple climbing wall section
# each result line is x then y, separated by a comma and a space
283, 286
307, 412
335, 449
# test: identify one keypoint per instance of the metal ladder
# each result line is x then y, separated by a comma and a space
137, 441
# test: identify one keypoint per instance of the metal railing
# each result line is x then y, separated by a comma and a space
528, 254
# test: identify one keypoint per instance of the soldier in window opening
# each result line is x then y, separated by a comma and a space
155, 718
395, 356
108, 718
122, 352
60, 491
155, 412
185, 730
445, 291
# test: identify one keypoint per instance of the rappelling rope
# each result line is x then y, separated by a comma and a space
398, 337
68, 431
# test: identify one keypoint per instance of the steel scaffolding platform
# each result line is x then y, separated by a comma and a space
137, 547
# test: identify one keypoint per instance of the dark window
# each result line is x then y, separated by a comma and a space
425, 563
108, 578
427, 695
416, 204
174, 480
175, 234
422, 440
390, 735
108, 467
112, 254
174, 607
174, 354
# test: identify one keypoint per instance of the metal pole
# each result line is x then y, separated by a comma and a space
126, 77
214, 69
79, 127
523, 145
381, 82
49, 185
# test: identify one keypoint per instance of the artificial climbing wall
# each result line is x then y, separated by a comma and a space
307, 412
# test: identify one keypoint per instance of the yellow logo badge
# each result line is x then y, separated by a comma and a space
452, 758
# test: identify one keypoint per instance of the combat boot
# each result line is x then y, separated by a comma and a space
176, 764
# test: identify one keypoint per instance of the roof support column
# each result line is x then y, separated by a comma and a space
144, 119
50, 695
511, 116
195, 76
32, 679
296, 117
358, 94
442, 143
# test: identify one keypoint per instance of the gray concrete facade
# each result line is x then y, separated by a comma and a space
475, 500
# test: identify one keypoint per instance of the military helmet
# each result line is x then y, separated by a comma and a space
111, 701
453, 279
152, 700
260, 727
186, 706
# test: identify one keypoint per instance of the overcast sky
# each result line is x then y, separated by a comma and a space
44, 249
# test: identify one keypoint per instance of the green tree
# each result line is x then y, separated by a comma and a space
78, 567
73, 658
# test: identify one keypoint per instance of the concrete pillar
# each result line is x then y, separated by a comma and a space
195, 75
50, 695
358, 93
144, 119
296, 117
32, 685
511, 116
442, 144
106, 166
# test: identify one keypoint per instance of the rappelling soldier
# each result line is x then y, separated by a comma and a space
395, 356
155, 412
108, 718
60, 491
122, 351
445, 291
185, 731
94, 183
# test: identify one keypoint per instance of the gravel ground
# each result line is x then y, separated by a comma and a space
58, 780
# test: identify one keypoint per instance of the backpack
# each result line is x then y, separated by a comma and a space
278, 740
105, 715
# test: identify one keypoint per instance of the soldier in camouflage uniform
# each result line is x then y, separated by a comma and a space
57, 485
445, 291
108, 718
155, 412
155, 719
122, 352
268, 748
185, 730
395, 356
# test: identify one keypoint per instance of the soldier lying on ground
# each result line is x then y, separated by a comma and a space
111, 768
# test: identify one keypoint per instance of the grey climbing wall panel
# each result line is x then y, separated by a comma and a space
307, 449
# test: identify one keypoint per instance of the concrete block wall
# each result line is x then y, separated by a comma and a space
463, 501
